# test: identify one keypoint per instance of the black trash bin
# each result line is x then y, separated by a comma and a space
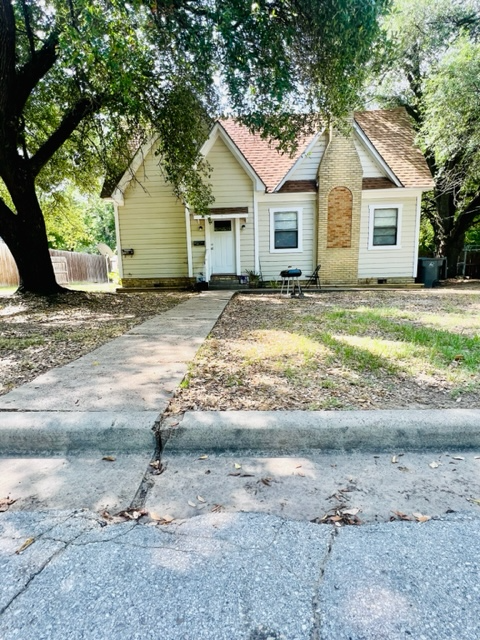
430, 270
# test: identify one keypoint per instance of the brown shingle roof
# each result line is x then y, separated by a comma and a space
391, 133
268, 163
377, 183
298, 186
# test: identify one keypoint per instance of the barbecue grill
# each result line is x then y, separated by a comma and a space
290, 280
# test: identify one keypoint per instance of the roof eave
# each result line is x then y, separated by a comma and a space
378, 157
299, 160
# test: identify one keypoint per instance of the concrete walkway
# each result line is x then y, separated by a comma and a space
110, 399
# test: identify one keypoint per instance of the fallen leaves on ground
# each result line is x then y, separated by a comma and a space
418, 517
339, 516
157, 467
5, 503
25, 545
126, 514
167, 519
109, 458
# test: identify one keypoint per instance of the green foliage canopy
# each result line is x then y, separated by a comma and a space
84, 82
432, 67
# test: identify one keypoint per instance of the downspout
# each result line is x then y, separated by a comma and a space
417, 235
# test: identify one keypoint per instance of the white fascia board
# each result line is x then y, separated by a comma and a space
299, 161
391, 194
378, 158
138, 160
217, 131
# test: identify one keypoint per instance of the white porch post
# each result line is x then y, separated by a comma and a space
256, 255
189, 242
238, 266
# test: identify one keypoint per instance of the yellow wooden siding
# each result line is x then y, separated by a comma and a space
272, 263
388, 262
307, 167
370, 167
232, 187
152, 222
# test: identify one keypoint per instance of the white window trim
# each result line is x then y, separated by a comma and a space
371, 220
299, 212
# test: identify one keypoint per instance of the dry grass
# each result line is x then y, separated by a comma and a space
340, 350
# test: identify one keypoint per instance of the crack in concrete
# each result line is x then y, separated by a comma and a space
317, 615
148, 481
44, 565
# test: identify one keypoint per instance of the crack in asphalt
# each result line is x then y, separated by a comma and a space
316, 610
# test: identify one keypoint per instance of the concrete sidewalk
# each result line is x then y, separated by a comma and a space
110, 399
70, 570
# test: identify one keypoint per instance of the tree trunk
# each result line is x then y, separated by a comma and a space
26, 237
453, 248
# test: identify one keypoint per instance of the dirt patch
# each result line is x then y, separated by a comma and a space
37, 334
341, 350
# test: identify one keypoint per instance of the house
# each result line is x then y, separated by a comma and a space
348, 202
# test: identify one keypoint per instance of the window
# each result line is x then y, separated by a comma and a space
285, 230
222, 225
384, 227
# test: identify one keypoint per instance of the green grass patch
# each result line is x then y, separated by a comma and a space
11, 344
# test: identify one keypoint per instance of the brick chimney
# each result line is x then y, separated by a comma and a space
339, 203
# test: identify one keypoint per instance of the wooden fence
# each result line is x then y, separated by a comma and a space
69, 266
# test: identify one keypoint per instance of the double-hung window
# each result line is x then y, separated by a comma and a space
285, 230
384, 228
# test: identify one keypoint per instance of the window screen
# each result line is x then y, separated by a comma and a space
286, 229
385, 227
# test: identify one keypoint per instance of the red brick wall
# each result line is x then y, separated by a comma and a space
339, 225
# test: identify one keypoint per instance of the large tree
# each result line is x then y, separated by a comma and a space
432, 68
82, 82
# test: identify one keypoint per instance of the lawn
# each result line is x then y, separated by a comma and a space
340, 350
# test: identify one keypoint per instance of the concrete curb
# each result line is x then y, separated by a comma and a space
389, 430
41, 432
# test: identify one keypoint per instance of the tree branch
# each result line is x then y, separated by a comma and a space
82, 109
470, 215
32, 72
7, 60
28, 27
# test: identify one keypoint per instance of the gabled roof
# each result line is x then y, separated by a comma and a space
268, 163
391, 133
387, 133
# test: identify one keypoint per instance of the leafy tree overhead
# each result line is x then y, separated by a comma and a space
81, 81
433, 70
77, 222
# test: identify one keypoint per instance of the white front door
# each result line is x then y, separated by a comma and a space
223, 247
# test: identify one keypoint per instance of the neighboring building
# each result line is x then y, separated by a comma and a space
351, 204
